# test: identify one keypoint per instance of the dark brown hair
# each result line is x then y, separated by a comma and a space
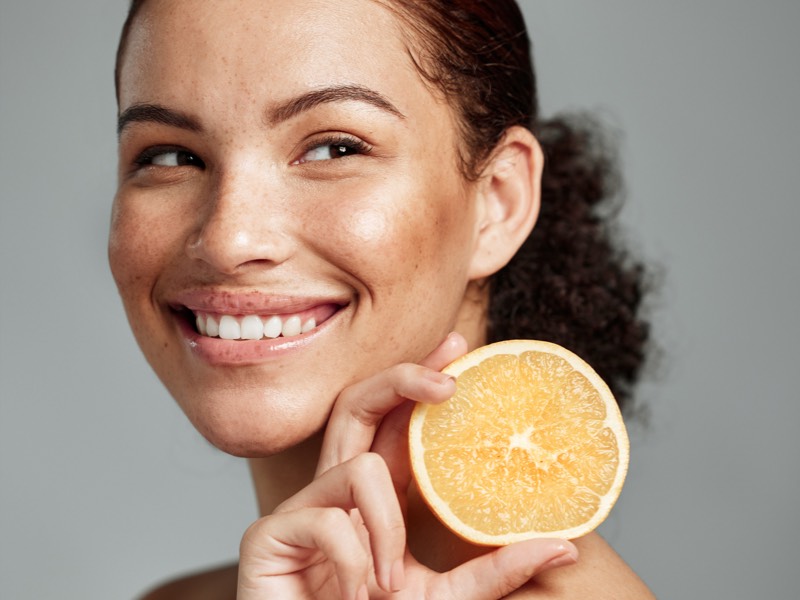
570, 283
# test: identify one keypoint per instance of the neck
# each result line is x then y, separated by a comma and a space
280, 476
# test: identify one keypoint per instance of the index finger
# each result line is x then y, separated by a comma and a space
361, 407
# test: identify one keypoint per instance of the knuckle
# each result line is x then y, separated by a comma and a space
255, 534
400, 373
255, 529
397, 529
352, 402
332, 518
368, 467
346, 396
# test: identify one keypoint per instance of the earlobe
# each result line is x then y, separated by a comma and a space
508, 201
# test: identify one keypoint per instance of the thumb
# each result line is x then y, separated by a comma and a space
497, 574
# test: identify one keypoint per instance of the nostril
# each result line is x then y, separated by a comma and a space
230, 244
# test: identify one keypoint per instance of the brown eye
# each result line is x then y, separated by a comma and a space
334, 148
169, 157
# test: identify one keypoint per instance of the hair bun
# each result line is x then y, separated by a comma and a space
570, 283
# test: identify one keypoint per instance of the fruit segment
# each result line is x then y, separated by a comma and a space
532, 444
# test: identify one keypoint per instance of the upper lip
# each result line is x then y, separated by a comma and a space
250, 302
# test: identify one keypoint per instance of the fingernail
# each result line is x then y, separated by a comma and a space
456, 341
398, 579
363, 593
570, 557
439, 378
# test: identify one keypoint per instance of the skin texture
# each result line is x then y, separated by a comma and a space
233, 199
358, 230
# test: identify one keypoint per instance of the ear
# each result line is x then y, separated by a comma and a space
508, 195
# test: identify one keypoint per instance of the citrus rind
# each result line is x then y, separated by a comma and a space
611, 427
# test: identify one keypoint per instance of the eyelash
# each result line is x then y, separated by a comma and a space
349, 143
146, 157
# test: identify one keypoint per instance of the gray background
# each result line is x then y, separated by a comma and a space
104, 488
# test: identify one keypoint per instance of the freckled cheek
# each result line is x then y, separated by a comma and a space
392, 241
372, 239
138, 247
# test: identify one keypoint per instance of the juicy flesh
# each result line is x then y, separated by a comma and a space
546, 471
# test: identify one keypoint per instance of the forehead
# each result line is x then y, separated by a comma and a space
266, 46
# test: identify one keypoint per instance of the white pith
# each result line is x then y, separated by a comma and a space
252, 327
518, 441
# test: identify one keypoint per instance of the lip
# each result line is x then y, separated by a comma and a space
250, 302
220, 352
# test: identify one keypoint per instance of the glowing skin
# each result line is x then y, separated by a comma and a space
235, 199
283, 162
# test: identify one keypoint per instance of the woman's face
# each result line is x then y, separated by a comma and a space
282, 166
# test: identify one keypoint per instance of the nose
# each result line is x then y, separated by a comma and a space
244, 223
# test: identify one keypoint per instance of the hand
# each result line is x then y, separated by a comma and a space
343, 536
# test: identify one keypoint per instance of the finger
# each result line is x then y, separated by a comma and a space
453, 346
269, 548
391, 443
391, 439
363, 483
361, 407
497, 574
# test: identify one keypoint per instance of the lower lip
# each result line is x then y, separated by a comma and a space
217, 351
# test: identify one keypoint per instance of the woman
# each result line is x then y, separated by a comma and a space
317, 202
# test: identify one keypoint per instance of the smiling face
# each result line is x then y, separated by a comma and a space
284, 171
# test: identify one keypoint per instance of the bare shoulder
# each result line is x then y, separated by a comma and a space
213, 584
600, 574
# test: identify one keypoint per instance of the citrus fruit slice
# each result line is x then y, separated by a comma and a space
532, 444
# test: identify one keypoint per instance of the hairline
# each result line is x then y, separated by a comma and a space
470, 163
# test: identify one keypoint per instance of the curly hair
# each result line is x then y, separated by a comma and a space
571, 282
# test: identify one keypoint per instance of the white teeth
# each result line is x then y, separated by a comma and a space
292, 327
212, 328
273, 326
201, 325
309, 325
252, 328
229, 328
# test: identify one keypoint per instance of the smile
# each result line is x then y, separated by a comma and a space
257, 327
237, 328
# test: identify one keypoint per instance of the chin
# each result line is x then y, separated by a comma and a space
254, 429
250, 442
244, 447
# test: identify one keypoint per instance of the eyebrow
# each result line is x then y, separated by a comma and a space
155, 113
340, 93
